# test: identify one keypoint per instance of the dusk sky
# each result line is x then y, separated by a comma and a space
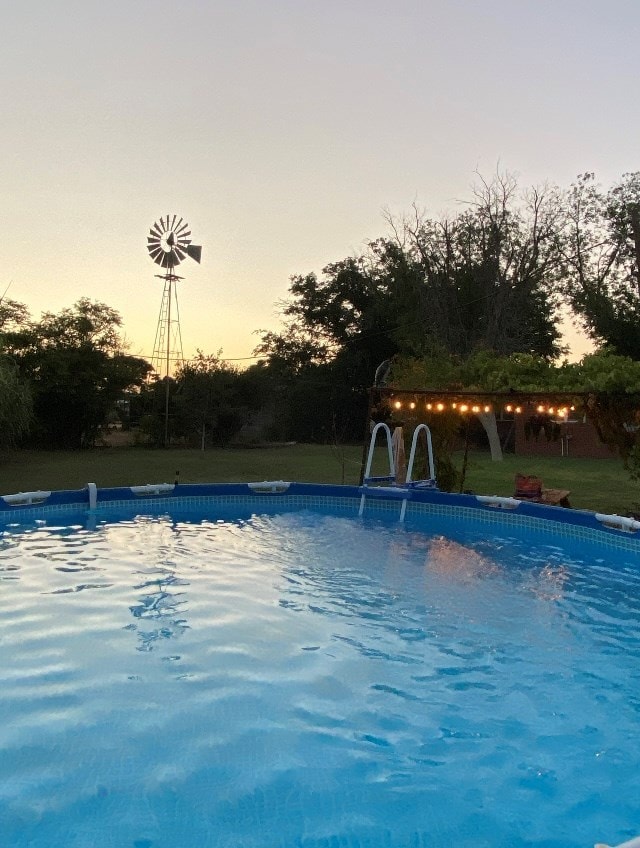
280, 131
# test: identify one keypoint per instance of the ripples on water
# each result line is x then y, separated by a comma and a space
309, 680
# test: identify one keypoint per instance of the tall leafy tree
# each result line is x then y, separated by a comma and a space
13, 316
16, 401
337, 329
480, 280
213, 399
77, 368
486, 277
16, 404
601, 252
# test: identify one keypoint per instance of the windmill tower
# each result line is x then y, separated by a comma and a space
168, 242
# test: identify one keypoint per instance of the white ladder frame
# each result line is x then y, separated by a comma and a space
392, 476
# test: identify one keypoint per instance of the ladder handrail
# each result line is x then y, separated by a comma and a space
372, 444
412, 455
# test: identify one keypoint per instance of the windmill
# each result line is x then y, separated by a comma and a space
168, 242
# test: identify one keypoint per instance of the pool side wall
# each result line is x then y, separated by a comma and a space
555, 521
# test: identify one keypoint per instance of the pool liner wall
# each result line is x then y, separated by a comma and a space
555, 521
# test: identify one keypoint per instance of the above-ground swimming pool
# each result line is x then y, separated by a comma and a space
215, 666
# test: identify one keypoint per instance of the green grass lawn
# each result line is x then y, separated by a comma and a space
598, 484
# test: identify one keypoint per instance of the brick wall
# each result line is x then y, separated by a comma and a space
577, 438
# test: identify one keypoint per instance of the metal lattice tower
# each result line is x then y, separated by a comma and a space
167, 347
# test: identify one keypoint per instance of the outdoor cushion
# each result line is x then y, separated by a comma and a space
528, 488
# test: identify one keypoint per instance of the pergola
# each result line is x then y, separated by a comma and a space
615, 415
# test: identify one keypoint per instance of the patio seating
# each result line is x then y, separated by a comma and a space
530, 488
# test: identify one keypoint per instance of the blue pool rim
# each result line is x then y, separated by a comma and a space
541, 520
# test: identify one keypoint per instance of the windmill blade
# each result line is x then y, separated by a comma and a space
153, 240
173, 223
179, 253
184, 226
156, 230
195, 252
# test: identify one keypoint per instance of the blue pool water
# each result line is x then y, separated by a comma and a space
314, 680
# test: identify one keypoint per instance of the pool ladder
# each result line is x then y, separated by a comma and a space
370, 483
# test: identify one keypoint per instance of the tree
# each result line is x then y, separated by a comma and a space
485, 278
13, 316
77, 369
601, 260
336, 332
16, 404
481, 280
16, 401
212, 399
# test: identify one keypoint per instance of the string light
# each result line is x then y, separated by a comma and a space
476, 408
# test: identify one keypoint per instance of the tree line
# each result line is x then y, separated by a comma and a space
436, 296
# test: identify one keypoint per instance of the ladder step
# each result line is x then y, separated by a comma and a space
388, 479
384, 492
